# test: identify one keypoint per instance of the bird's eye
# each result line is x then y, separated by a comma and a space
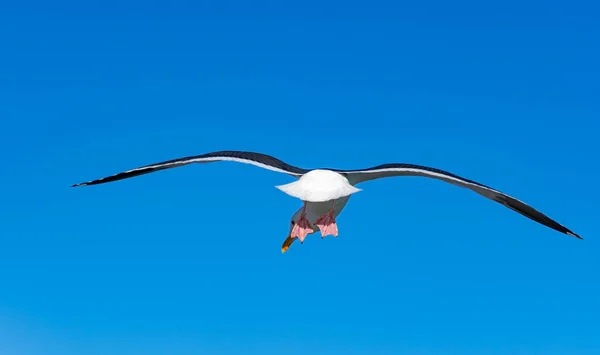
293, 223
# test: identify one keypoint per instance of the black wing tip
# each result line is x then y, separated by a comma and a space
573, 235
87, 183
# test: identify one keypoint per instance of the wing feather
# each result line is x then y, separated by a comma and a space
258, 159
390, 170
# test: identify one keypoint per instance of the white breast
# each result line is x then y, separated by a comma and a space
319, 186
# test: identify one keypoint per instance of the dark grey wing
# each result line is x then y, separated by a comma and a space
390, 170
257, 159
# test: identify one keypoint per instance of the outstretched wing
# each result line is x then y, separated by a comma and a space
390, 170
257, 159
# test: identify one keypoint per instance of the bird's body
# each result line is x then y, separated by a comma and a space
313, 212
325, 192
322, 188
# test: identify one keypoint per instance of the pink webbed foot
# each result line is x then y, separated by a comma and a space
327, 225
302, 228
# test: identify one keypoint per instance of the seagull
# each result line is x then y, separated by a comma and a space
325, 192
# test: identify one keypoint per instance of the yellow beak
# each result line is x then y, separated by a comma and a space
286, 244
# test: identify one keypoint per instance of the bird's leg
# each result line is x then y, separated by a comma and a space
326, 223
302, 227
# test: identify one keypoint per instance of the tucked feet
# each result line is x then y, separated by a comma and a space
327, 225
301, 229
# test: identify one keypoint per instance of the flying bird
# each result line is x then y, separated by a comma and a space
325, 192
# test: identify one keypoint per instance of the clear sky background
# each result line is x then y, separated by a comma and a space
188, 261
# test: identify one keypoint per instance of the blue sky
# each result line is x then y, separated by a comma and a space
188, 260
